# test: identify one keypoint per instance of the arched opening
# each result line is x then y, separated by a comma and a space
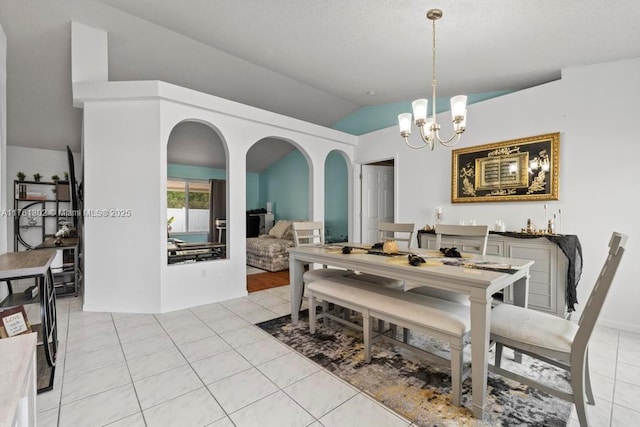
336, 198
277, 193
196, 194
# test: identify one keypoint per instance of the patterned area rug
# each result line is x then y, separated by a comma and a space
421, 391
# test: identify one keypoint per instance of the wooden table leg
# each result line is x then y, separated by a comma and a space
480, 328
296, 268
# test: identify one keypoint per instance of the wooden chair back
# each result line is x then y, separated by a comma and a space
599, 292
467, 235
308, 233
221, 227
402, 232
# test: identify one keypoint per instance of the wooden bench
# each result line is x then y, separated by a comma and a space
444, 320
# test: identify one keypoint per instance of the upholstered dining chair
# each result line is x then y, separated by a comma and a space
312, 234
555, 340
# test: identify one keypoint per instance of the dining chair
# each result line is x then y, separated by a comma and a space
470, 238
400, 232
221, 227
306, 233
555, 340
467, 238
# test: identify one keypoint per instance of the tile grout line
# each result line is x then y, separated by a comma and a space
615, 378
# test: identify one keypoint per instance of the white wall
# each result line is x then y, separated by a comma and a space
593, 107
126, 130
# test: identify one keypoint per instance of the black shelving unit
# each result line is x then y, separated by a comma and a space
38, 205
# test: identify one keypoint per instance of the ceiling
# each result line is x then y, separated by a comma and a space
308, 59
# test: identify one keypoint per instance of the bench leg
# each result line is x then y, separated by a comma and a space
456, 373
405, 335
367, 331
380, 326
498, 358
312, 313
394, 330
325, 309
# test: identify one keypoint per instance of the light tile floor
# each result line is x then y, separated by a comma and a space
210, 366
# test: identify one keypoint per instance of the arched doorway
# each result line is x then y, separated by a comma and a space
196, 194
336, 198
277, 190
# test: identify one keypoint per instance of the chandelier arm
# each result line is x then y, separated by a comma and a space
428, 138
447, 142
415, 147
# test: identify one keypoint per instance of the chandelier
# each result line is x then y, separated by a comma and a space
429, 127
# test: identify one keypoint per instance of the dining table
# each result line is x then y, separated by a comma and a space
475, 275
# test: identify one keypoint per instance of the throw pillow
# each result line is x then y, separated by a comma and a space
279, 229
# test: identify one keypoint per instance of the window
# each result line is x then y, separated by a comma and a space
188, 205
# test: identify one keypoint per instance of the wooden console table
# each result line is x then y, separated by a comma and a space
27, 265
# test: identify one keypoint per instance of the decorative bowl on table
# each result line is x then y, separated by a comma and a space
390, 247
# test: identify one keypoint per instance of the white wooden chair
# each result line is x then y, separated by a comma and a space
467, 238
555, 340
221, 227
312, 234
400, 232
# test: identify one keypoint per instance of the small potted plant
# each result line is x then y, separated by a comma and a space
66, 176
36, 177
21, 176
55, 178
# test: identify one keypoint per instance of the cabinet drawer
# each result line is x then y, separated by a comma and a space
541, 303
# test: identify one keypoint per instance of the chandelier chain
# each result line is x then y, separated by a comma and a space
433, 54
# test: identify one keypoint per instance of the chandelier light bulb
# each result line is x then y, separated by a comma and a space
404, 121
458, 108
420, 110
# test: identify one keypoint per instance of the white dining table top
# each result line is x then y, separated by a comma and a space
436, 266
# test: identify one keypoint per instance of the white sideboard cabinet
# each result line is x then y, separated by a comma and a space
547, 283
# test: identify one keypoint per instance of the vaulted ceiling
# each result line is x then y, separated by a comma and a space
313, 60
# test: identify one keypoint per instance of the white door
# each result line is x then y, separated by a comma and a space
377, 200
